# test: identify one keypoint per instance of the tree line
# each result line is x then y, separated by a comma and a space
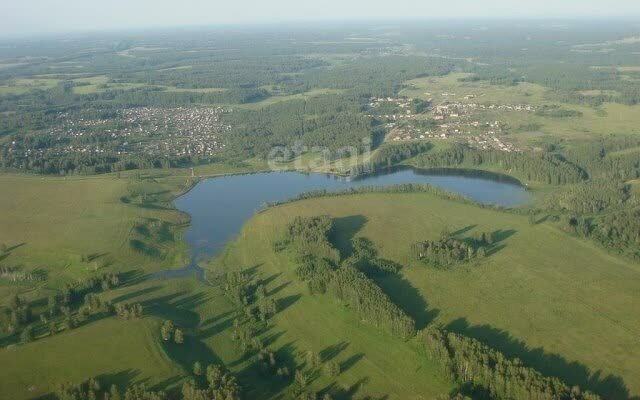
540, 167
485, 373
320, 268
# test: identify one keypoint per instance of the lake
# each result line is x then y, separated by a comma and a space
220, 206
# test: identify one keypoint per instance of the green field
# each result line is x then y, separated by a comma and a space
545, 297
24, 85
54, 221
118, 352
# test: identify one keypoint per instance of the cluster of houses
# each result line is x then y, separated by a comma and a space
393, 109
457, 120
153, 131
179, 131
457, 109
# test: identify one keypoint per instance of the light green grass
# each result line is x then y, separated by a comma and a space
560, 303
277, 99
191, 90
387, 366
115, 351
56, 220
484, 92
22, 86
101, 84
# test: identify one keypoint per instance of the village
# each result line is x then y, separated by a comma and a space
452, 120
172, 132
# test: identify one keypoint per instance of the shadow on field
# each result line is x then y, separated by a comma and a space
610, 387
345, 393
350, 362
132, 277
331, 352
287, 302
497, 237
407, 297
463, 230
344, 229
120, 379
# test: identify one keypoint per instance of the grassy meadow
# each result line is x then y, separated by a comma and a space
543, 296
70, 228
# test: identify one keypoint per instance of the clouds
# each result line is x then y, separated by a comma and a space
31, 16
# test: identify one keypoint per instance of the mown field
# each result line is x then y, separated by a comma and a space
543, 296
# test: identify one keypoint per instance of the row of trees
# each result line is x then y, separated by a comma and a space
210, 383
485, 373
320, 268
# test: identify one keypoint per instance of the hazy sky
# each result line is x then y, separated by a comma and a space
19, 17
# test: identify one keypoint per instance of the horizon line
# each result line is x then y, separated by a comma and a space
289, 22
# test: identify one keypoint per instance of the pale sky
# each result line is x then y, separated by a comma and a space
24, 17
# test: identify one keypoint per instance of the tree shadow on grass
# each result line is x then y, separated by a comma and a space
350, 392
288, 301
497, 237
408, 298
132, 277
610, 387
344, 229
17, 246
464, 230
222, 323
351, 361
120, 379
331, 352
135, 293
267, 385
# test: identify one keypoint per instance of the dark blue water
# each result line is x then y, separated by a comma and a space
220, 206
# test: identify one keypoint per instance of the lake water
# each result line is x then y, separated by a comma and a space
220, 206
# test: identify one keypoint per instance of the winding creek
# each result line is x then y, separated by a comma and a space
220, 206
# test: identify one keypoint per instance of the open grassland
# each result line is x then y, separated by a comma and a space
451, 88
542, 295
101, 84
280, 98
373, 363
115, 351
52, 222
609, 118
21, 86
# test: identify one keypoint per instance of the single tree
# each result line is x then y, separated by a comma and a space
332, 369
27, 335
167, 330
197, 369
179, 336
